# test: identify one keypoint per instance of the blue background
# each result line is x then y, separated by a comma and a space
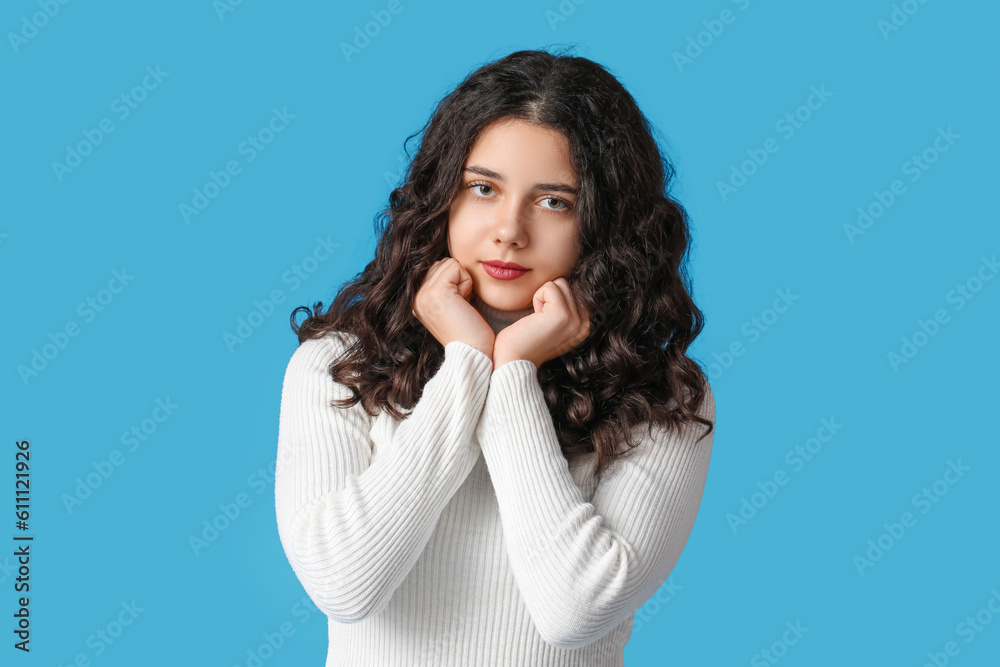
328, 172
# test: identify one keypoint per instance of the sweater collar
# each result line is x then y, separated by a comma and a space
498, 319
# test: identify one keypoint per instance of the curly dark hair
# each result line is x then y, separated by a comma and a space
632, 368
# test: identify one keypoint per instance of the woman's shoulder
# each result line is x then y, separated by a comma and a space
707, 407
706, 403
321, 351
312, 361
332, 341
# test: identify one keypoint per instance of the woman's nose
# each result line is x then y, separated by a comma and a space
509, 224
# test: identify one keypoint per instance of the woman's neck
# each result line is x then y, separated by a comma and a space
498, 319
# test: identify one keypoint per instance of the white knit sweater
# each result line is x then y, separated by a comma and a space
461, 535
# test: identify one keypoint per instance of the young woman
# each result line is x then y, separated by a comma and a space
492, 446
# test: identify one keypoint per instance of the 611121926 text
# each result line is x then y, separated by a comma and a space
22, 511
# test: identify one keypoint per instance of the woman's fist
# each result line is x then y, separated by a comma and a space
442, 306
558, 324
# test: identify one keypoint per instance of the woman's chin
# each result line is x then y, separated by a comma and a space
503, 301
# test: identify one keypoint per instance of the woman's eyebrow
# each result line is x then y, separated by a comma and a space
489, 173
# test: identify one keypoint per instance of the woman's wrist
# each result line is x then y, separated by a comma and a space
501, 359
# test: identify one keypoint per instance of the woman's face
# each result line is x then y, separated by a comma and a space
516, 203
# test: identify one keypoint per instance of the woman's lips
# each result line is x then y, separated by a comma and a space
501, 273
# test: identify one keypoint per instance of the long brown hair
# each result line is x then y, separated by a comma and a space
633, 368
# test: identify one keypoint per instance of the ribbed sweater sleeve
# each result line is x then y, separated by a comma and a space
583, 567
352, 525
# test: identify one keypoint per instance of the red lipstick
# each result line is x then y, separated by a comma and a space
504, 270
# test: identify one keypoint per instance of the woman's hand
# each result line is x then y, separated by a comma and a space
558, 325
442, 306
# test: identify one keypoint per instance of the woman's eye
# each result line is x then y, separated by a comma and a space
487, 191
477, 188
